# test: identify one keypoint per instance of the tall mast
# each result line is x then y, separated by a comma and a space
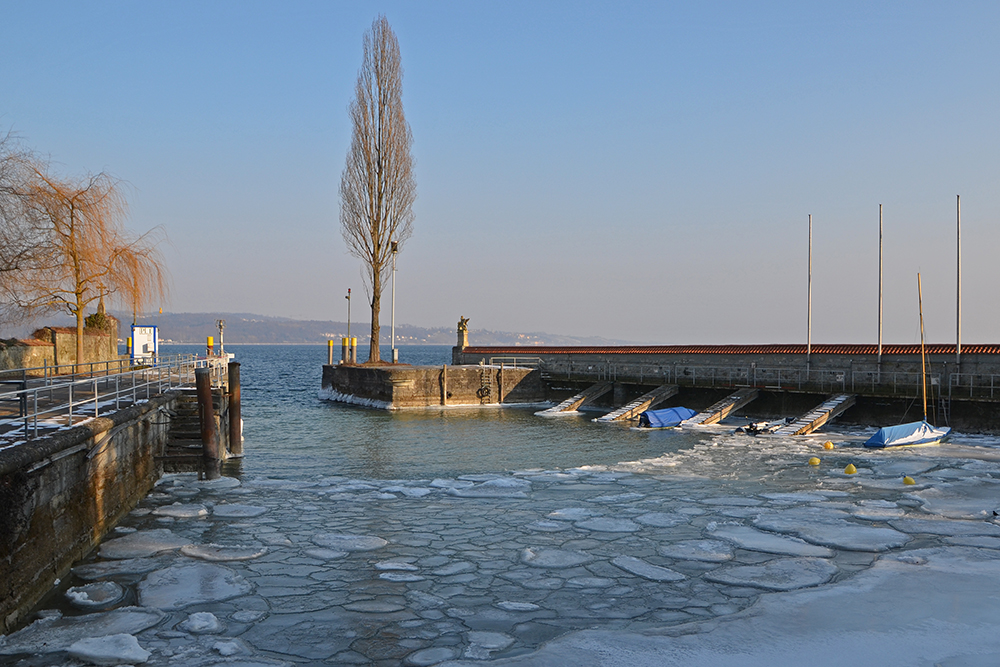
809, 306
923, 362
958, 282
880, 286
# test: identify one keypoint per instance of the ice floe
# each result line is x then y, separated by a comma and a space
52, 634
500, 487
347, 542
609, 525
709, 551
826, 528
553, 558
181, 511
572, 514
202, 623
945, 527
96, 595
141, 544
117, 649
111, 568
180, 586
236, 511
641, 568
661, 519
220, 552
752, 539
783, 574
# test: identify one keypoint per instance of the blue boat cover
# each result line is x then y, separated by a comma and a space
914, 433
665, 418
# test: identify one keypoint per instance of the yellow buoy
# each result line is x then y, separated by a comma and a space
814, 461
850, 469
908, 480
827, 445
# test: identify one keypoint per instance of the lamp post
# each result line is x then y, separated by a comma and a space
395, 353
348, 297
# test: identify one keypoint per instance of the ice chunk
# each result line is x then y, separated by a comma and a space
877, 510
783, 574
179, 511
641, 568
414, 491
218, 552
429, 656
229, 648
661, 519
374, 607
591, 582
797, 496
396, 565
572, 514
975, 541
609, 525
732, 501
202, 623
709, 551
181, 586
400, 576
824, 527
117, 649
508, 605
554, 558
945, 527
482, 644
235, 511
347, 542
451, 484
548, 526
220, 484
500, 487
325, 554
454, 568
53, 634
141, 544
751, 539
110, 568
963, 501
617, 498
98, 595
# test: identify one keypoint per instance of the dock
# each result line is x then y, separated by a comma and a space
719, 411
577, 401
821, 414
647, 401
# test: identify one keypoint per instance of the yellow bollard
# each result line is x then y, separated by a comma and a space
211, 346
827, 445
850, 469
814, 461
329, 352
908, 480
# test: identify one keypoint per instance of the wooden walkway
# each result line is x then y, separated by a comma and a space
647, 401
719, 411
821, 414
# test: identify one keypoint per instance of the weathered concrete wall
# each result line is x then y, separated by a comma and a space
421, 386
27, 354
98, 345
59, 495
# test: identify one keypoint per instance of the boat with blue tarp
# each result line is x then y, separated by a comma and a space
666, 418
914, 433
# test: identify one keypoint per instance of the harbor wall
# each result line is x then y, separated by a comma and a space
61, 494
400, 386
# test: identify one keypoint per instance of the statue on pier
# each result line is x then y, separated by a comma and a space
463, 332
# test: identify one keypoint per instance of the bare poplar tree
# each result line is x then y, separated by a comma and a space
377, 189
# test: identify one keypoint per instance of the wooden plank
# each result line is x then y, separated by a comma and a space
724, 408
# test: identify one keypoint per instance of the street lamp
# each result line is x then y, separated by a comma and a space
348, 297
395, 353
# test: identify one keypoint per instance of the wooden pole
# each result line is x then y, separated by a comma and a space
880, 288
235, 409
923, 362
809, 307
958, 281
206, 418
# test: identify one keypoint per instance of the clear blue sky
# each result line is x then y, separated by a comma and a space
639, 171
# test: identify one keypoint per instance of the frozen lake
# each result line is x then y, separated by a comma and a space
351, 536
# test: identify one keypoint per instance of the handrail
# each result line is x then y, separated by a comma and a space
515, 361
46, 370
79, 399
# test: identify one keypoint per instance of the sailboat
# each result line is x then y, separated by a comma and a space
914, 433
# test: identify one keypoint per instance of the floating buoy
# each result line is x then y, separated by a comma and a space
827, 445
850, 469
814, 461
908, 480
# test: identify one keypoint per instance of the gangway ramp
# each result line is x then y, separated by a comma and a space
577, 401
719, 411
632, 409
821, 414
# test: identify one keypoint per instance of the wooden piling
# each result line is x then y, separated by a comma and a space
206, 418
235, 411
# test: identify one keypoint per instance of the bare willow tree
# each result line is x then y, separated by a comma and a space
377, 189
89, 252
22, 239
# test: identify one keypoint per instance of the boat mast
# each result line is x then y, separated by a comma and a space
923, 363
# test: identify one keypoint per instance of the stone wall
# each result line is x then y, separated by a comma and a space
420, 386
98, 345
27, 354
60, 494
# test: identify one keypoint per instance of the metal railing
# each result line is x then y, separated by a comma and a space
90, 368
515, 362
59, 403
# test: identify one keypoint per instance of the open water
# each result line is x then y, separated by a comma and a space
419, 537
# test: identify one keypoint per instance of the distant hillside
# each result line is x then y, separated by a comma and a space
248, 328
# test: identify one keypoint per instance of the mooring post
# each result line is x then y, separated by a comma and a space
206, 418
235, 412
444, 384
345, 350
329, 352
354, 350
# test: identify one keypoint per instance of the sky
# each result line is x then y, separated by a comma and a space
640, 171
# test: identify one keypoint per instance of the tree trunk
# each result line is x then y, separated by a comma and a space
373, 351
79, 339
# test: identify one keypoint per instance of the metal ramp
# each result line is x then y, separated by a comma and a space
575, 402
632, 409
821, 414
719, 411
